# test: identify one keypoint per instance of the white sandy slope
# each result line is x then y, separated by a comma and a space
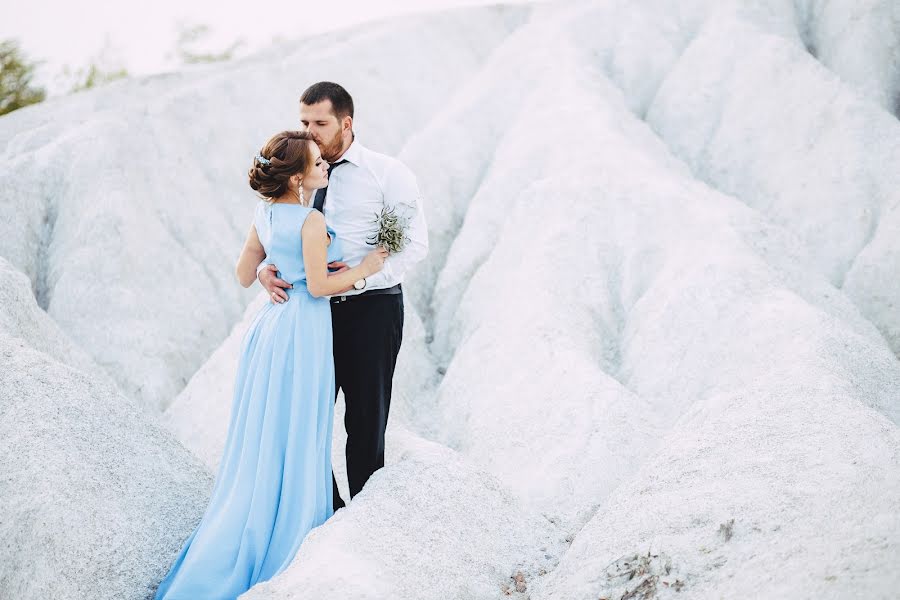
676, 284
858, 41
824, 164
95, 497
656, 322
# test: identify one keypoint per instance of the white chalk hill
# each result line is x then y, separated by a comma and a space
652, 354
95, 494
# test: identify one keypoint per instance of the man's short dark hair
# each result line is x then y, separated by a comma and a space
341, 102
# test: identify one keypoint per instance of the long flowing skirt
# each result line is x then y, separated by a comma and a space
274, 481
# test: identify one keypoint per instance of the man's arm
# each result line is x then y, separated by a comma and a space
401, 192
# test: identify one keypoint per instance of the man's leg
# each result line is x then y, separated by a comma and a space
371, 331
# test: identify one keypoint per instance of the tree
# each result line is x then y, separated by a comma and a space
16, 72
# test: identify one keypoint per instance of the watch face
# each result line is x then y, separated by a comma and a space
360, 284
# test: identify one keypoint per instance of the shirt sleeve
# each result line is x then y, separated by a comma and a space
262, 266
401, 192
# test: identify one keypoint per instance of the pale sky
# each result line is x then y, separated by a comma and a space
140, 36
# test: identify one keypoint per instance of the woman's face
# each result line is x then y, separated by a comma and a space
317, 175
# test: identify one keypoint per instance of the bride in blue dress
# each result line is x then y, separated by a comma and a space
274, 480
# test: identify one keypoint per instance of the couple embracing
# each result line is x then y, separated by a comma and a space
334, 322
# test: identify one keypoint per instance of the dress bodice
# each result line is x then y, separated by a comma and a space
279, 226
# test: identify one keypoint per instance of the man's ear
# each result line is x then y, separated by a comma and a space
347, 124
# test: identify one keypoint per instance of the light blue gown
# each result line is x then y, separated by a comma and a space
274, 480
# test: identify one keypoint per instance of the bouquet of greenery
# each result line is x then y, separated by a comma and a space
391, 230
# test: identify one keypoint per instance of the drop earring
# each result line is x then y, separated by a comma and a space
300, 189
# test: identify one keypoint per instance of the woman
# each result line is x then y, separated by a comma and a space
274, 481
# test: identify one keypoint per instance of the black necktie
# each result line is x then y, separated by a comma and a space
319, 201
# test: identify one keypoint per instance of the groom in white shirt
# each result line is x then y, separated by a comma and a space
367, 319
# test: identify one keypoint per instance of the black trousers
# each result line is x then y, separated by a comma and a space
367, 336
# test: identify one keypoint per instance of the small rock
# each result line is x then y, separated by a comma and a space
519, 578
726, 530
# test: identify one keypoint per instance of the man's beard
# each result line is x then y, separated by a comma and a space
333, 148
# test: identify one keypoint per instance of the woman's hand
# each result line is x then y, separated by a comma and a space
374, 260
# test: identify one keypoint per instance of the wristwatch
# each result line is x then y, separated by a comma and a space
360, 284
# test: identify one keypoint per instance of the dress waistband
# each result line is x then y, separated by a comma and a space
298, 287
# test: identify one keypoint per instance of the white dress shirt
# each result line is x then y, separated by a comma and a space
357, 192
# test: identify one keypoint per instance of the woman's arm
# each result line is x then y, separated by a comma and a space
315, 259
252, 254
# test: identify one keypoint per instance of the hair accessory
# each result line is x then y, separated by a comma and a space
262, 160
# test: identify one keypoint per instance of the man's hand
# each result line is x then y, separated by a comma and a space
273, 284
337, 267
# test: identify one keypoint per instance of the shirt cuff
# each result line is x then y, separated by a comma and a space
378, 280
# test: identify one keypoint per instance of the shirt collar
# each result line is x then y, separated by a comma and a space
353, 153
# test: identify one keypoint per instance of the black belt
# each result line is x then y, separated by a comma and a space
393, 291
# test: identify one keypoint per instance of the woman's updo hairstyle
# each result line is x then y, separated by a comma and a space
284, 155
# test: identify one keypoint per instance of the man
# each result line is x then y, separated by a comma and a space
367, 319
